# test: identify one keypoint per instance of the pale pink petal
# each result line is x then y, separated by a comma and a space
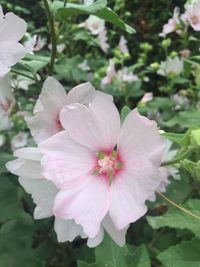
67, 230
139, 138
130, 190
96, 127
119, 236
45, 122
83, 93
87, 205
65, 159
43, 193
94, 242
31, 153
10, 53
22, 167
12, 28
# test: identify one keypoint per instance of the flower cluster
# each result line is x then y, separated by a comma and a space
91, 172
179, 22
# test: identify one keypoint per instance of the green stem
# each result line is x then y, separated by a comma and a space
24, 75
179, 158
179, 207
53, 36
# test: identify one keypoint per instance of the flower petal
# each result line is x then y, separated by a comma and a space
139, 138
130, 189
94, 242
119, 236
65, 160
10, 53
96, 127
43, 193
45, 122
67, 230
12, 27
87, 204
83, 93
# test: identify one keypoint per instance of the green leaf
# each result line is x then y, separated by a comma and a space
16, 246
109, 254
97, 9
192, 167
68, 69
140, 258
185, 119
10, 204
178, 219
174, 137
184, 254
4, 158
124, 112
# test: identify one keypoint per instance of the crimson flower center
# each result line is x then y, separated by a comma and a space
108, 164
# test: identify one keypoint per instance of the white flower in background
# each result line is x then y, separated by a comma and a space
147, 97
60, 47
95, 24
166, 172
103, 39
126, 76
122, 75
35, 43
7, 103
84, 66
172, 24
123, 45
19, 140
111, 74
46, 119
192, 15
88, 2
185, 53
172, 66
12, 29
2, 140
180, 100
21, 82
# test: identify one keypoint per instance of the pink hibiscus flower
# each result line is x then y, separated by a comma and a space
103, 171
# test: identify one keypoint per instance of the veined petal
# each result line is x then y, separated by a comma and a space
43, 193
10, 53
130, 189
45, 122
119, 236
139, 138
94, 242
65, 160
87, 204
25, 168
12, 28
96, 127
83, 93
67, 230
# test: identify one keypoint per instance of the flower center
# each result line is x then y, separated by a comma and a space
194, 19
108, 164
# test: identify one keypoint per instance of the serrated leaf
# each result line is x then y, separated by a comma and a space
140, 258
178, 219
185, 254
10, 204
97, 9
109, 254
4, 158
